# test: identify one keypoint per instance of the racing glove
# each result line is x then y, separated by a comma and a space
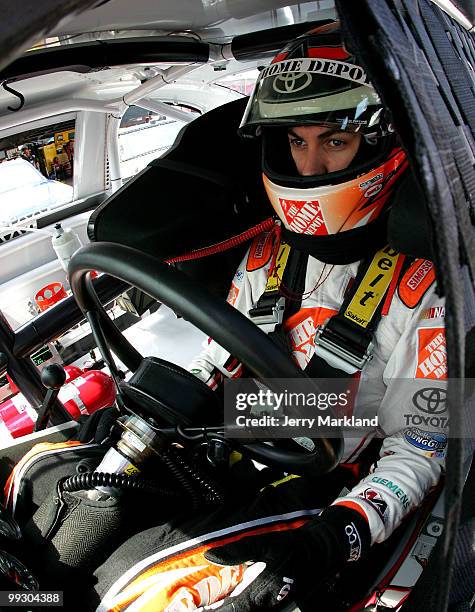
293, 561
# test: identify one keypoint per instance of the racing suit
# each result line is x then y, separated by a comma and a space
169, 567
409, 355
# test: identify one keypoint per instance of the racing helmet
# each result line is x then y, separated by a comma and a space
314, 80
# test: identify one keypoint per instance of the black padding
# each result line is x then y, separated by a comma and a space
205, 189
216, 271
39, 479
409, 226
169, 393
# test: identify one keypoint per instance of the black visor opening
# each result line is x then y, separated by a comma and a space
279, 166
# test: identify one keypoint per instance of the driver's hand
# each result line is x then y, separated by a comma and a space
289, 560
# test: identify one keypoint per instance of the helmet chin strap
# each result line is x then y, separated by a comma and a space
345, 247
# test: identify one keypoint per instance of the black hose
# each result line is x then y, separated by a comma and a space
199, 486
90, 480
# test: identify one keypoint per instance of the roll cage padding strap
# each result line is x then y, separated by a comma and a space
406, 49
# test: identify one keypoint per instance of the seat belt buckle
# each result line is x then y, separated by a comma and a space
270, 314
338, 353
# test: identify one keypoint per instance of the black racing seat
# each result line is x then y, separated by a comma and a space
205, 189
409, 225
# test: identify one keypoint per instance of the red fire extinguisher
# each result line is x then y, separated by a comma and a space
83, 393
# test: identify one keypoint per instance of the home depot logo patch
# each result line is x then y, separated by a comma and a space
233, 294
301, 332
304, 217
432, 353
301, 337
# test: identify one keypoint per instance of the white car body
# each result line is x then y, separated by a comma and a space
25, 192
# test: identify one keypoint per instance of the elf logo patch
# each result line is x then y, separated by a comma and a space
432, 353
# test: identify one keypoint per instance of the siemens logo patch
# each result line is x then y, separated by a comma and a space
426, 440
396, 489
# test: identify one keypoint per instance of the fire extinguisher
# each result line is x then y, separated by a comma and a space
84, 392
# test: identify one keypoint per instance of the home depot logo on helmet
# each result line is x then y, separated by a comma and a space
304, 217
329, 67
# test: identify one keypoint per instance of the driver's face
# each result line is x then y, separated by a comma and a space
318, 149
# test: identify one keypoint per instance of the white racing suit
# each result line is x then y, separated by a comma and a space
409, 344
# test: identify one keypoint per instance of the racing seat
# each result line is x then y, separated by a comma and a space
205, 189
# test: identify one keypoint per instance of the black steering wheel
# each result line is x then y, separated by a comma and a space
216, 318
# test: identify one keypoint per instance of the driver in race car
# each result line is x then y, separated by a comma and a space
331, 163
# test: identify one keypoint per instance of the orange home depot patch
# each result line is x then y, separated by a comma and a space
304, 217
416, 281
233, 294
431, 353
301, 328
260, 251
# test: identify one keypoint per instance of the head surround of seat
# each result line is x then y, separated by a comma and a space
206, 188
409, 225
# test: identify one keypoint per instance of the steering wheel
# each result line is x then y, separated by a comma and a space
216, 318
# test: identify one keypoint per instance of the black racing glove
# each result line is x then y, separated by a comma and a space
296, 560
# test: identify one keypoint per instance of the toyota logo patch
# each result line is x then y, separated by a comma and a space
291, 82
431, 400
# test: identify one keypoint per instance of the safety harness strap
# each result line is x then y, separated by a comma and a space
345, 341
289, 270
343, 345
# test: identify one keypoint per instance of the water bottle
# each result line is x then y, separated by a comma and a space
65, 243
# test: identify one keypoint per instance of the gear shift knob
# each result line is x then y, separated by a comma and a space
53, 376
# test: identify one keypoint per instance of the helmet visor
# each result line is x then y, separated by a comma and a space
314, 90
